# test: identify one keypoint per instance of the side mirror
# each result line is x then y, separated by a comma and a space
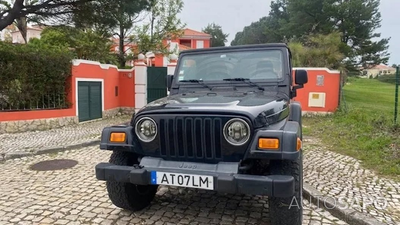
170, 78
300, 77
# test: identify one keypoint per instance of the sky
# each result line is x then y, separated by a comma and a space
234, 15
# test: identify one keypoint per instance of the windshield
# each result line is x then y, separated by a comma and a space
253, 65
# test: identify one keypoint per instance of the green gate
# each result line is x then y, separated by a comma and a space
156, 83
89, 100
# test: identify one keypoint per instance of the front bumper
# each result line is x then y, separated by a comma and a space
225, 180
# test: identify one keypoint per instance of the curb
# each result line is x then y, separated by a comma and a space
349, 216
16, 155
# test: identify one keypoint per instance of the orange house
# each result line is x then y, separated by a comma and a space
190, 39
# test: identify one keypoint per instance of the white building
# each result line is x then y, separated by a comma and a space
6, 33
377, 70
32, 32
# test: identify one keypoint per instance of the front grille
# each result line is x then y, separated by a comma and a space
191, 137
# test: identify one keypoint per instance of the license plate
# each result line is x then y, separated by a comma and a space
183, 180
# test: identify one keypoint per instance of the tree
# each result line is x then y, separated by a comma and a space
84, 44
318, 51
394, 66
106, 17
307, 17
125, 14
163, 24
356, 20
102, 17
267, 29
60, 38
218, 37
277, 19
113, 17
39, 10
255, 33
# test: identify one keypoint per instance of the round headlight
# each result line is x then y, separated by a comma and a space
146, 129
237, 131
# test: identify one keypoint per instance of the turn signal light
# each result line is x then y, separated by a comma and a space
268, 143
117, 137
299, 144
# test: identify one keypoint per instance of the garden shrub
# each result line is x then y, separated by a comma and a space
390, 78
34, 78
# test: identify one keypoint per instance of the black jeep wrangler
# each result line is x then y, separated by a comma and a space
228, 125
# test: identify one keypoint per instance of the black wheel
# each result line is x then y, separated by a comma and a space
126, 195
288, 211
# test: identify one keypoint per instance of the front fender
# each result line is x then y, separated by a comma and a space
129, 143
287, 143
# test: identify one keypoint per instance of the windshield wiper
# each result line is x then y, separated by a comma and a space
197, 81
245, 80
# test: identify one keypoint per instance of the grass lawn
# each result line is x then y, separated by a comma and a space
363, 127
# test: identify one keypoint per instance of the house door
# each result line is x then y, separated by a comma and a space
89, 100
156, 83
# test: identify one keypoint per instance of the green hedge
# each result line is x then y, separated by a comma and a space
33, 78
390, 78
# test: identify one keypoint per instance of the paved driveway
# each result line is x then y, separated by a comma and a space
74, 196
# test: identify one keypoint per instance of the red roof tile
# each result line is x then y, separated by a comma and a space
382, 67
190, 32
379, 67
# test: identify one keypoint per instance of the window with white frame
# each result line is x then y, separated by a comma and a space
199, 44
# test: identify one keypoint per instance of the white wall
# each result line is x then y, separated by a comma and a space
17, 37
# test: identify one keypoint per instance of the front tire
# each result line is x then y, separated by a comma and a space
126, 195
288, 211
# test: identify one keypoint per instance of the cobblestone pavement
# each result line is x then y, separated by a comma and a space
33, 140
343, 177
74, 196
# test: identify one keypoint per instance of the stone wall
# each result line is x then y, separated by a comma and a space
37, 124
118, 112
127, 111
110, 113
46, 124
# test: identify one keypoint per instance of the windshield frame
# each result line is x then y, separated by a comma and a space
284, 65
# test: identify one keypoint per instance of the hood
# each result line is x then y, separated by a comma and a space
262, 108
